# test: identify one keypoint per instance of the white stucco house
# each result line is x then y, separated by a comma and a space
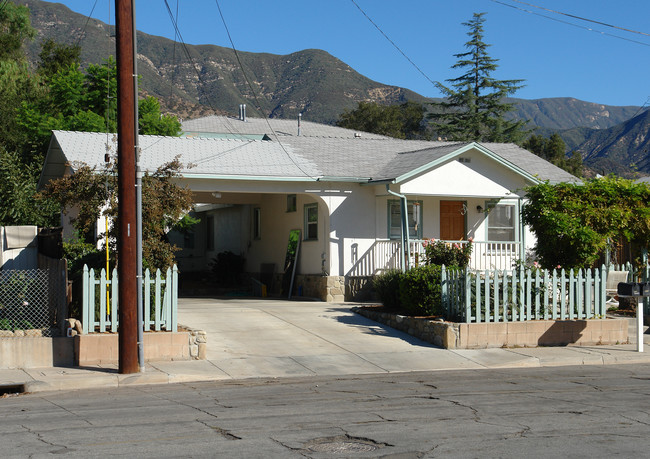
256, 180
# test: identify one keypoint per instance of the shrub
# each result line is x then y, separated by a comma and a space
387, 287
227, 268
447, 253
419, 291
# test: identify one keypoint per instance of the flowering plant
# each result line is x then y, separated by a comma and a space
439, 252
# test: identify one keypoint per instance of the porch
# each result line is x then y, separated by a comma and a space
386, 254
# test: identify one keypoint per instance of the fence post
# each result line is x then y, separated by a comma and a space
554, 291
579, 297
495, 286
645, 278
84, 300
168, 299
102, 301
477, 289
589, 312
115, 296
146, 304
468, 295
603, 290
545, 278
174, 288
443, 290
160, 307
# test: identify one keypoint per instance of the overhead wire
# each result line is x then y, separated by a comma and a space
581, 18
189, 56
83, 32
250, 86
569, 23
394, 44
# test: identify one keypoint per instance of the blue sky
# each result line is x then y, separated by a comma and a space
556, 59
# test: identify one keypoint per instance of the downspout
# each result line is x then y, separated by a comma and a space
406, 242
522, 231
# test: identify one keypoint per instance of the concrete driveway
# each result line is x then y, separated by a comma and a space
250, 338
267, 337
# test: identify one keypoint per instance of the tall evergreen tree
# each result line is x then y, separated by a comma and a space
474, 108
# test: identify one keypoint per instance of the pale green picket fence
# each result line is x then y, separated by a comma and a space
523, 294
160, 299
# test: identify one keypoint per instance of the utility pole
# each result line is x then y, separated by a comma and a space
126, 240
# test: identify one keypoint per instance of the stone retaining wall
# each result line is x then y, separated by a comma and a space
452, 335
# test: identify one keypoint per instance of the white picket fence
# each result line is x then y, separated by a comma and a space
100, 301
523, 294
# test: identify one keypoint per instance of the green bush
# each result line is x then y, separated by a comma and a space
420, 291
387, 287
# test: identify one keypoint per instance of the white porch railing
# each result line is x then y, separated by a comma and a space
384, 254
485, 254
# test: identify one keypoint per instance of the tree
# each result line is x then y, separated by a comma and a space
20, 204
93, 193
553, 150
575, 223
400, 121
15, 28
474, 108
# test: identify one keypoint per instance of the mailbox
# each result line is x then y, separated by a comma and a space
635, 289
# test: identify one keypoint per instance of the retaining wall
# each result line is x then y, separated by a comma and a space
451, 335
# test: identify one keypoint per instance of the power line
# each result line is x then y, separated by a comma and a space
569, 23
250, 86
582, 18
83, 33
394, 45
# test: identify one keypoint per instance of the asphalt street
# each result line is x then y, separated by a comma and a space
571, 411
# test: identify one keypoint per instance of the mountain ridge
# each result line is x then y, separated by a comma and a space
311, 82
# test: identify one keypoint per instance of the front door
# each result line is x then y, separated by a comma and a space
452, 220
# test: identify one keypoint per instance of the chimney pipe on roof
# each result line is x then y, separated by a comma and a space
243, 111
299, 118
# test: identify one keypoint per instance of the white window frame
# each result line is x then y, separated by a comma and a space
415, 231
308, 224
492, 204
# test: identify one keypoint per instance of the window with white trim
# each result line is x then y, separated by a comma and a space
501, 222
395, 218
311, 222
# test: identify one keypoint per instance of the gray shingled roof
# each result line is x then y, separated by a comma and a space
340, 152
320, 152
208, 157
270, 126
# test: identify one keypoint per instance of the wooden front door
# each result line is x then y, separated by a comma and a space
452, 220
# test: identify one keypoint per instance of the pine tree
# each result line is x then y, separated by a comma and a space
474, 108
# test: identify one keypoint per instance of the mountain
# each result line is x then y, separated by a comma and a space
312, 81
558, 113
192, 81
622, 149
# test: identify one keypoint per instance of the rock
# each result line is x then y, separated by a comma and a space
203, 351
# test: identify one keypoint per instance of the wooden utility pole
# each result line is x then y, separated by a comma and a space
126, 241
